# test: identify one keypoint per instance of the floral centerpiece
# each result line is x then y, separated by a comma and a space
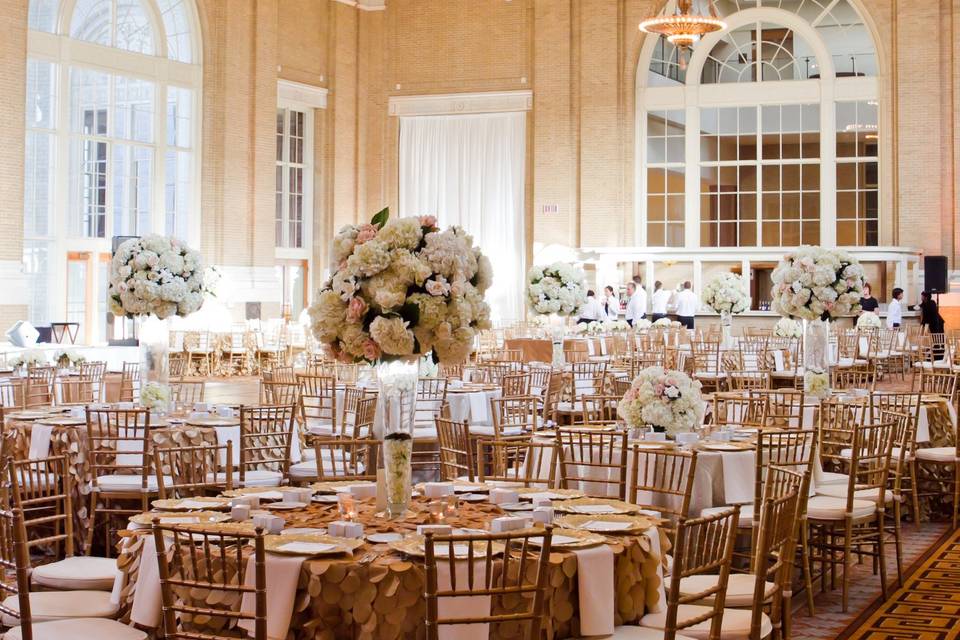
788, 328
663, 322
27, 359
155, 396
868, 320
667, 400
642, 324
559, 289
599, 327
813, 283
727, 293
154, 278
67, 358
401, 289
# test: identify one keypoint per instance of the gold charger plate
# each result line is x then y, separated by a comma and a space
731, 447
651, 445
465, 486
570, 539
552, 494
582, 506
183, 504
63, 421
334, 486
274, 493
180, 517
276, 544
212, 422
630, 524
28, 414
412, 545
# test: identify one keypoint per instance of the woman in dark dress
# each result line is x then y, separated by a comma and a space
930, 314
868, 302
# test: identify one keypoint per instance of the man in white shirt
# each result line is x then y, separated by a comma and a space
637, 305
661, 298
592, 311
687, 305
895, 309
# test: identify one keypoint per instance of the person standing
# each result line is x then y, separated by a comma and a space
895, 309
930, 314
637, 305
687, 305
661, 298
611, 303
592, 311
868, 302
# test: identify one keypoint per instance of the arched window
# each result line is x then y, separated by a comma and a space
113, 95
765, 135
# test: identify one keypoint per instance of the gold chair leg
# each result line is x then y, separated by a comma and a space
898, 542
915, 491
807, 566
881, 557
847, 564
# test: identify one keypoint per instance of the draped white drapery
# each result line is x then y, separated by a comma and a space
468, 170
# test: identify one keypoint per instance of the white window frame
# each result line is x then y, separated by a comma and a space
692, 96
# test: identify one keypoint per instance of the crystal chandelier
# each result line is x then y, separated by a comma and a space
684, 28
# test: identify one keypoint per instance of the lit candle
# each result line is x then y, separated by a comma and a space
347, 506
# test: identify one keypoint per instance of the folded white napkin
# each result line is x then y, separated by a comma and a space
923, 425
778, 360
739, 468
462, 606
603, 346
283, 574
146, 595
653, 535
40, 440
479, 408
597, 595
228, 434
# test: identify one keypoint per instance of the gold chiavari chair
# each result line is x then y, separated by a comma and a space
456, 450
345, 459
513, 580
748, 380
601, 410
130, 382
42, 490
942, 383
431, 396
855, 522
838, 421
61, 614
503, 355
858, 376
277, 393
12, 393
188, 392
661, 481
621, 386
551, 398
266, 434
200, 350
73, 390
752, 350
539, 379
363, 419
192, 559
515, 384
39, 390
783, 358
890, 354
189, 472
586, 378
905, 448
118, 450
236, 351
735, 411
95, 372
318, 404
704, 546
947, 456
592, 461
575, 356
348, 409
519, 462
785, 408
451, 370
512, 417
707, 365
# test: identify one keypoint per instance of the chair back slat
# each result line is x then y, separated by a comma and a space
593, 461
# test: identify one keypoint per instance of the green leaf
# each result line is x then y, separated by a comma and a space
381, 218
411, 313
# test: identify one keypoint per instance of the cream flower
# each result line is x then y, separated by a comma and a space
392, 335
403, 233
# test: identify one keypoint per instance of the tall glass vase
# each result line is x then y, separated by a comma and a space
726, 329
816, 358
393, 424
557, 324
154, 337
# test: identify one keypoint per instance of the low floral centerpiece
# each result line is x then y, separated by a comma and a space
868, 320
68, 358
155, 396
559, 288
28, 359
642, 324
401, 289
815, 284
788, 328
727, 294
667, 400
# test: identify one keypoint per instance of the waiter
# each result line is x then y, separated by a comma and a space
687, 305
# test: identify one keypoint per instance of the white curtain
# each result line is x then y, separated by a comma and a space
469, 171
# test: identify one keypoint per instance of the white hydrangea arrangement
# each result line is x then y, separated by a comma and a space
68, 358
31, 358
727, 293
788, 328
598, 327
814, 280
868, 320
816, 383
155, 396
558, 288
402, 288
642, 324
156, 274
664, 322
667, 399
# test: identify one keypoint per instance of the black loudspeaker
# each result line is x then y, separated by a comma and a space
935, 274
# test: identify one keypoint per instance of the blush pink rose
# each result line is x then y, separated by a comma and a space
658, 389
366, 232
371, 350
428, 221
356, 309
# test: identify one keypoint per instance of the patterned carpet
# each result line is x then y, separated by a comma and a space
928, 605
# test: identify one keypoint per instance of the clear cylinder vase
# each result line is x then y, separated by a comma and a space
816, 358
154, 338
557, 324
393, 424
726, 329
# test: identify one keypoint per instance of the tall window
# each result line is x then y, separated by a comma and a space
752, 115
294, 171
112, 94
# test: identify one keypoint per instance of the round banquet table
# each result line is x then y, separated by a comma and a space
68, 437
378, 592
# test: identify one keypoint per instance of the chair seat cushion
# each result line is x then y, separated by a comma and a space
740, 588
308, 468
254, 478
77, 573
746, 514
736, 622
425, 432
831, 508
129, 482
831, 477
630, 632
937, 454
486, 430
59, 605
92, 628
840, 491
